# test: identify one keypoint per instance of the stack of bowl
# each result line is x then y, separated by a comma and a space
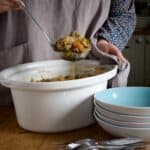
124, 111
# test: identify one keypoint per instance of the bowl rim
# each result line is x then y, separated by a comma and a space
130, 108
121, 114
118, 126
103, 117
57, 84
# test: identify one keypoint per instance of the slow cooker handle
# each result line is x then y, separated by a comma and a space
4, 82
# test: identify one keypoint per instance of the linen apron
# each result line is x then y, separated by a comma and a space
21, 41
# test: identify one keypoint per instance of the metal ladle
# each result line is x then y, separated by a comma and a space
23, 6
73, 56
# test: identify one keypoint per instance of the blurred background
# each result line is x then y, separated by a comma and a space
138, 49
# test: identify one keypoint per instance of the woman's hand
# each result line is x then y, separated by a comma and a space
6, 5
109, 48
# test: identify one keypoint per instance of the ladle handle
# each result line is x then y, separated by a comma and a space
23, 6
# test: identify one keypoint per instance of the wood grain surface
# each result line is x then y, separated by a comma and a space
12, 137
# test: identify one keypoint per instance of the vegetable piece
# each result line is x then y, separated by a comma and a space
78, 46
74, 43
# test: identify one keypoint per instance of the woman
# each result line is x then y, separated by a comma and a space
109, 25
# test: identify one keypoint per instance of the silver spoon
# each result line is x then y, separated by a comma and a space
123, 141
87, 146
123, 147
116, 143
70, 56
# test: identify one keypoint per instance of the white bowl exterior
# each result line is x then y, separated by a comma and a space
124, 131
55, 111
122, 117
122, 123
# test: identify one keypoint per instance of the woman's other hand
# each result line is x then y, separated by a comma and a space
6, 5
109, 48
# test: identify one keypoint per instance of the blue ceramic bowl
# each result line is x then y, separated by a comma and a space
125, 100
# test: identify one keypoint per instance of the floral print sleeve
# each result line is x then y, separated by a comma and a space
120, 24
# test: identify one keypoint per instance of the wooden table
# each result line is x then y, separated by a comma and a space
12, 137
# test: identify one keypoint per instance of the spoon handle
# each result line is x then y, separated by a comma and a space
23, 6
123, 141
119, 147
